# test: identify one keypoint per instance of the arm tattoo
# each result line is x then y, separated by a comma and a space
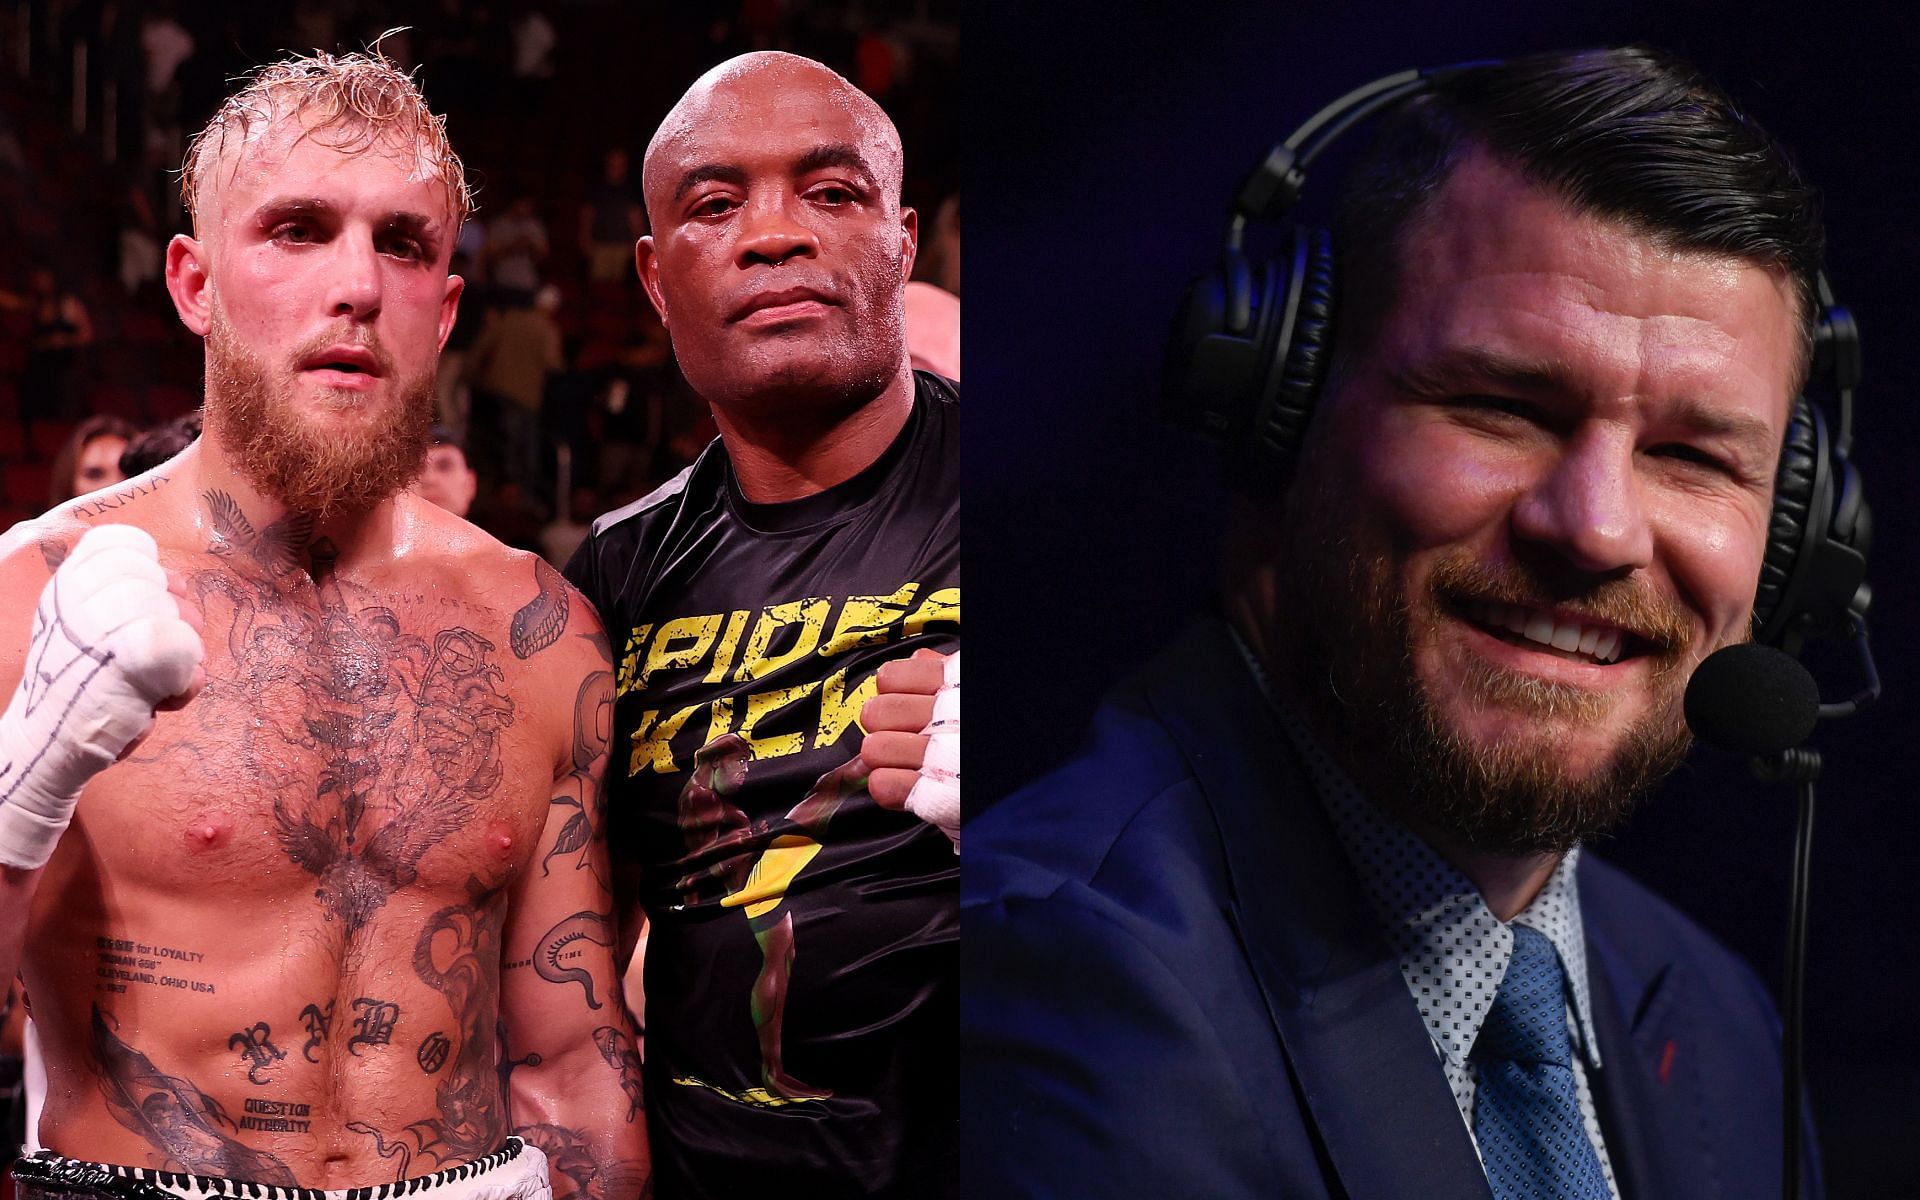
175, 1117
540, 623
570, 1156
618, 1049
554, 952
592, 725
54, 551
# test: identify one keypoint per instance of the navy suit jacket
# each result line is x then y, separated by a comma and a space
1174, 987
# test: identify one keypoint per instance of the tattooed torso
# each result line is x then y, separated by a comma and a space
272, 938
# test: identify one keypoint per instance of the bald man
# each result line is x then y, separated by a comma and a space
324, 917
801, 969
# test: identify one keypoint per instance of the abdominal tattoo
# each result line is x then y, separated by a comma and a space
257, 1051
375, 744
173, 1116
457, 955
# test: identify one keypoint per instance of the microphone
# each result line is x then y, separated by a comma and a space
1752, 699
1759, 701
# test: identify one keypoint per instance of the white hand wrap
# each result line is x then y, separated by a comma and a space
935, 797
108, 644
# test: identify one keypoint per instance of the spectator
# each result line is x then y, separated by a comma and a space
141, 258
453, 397
516, 246
447, 480
933, 329
508, 367
611, 222
91, 458
155, 446
60, 330
940, 252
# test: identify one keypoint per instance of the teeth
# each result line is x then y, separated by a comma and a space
1608, 647
1539, 629
1602, 644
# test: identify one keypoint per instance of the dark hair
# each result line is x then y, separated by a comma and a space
1629, 134
159, 444
60, 490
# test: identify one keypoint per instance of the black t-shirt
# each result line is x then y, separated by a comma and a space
804, 940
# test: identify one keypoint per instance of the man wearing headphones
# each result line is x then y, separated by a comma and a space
1309, 915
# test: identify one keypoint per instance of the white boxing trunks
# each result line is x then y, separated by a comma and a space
516, 1171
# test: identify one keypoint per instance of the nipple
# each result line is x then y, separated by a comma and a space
208, 831
500, 839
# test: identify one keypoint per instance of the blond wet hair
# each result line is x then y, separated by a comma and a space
351, 101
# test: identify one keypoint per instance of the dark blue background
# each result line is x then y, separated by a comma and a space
1103, 144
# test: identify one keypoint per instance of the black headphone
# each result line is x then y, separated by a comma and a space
1252, 341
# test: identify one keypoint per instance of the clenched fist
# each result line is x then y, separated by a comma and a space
913, 738
112, 642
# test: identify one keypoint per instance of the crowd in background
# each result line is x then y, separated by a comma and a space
558, 387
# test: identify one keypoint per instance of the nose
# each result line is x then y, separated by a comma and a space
354, 285
1585, 509
772, 232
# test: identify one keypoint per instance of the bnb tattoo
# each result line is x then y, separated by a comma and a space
256, 1046
433, 1052
319, 1023
375, 1024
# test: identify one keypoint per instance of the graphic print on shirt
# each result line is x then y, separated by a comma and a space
782, 635
758, 884
751, 861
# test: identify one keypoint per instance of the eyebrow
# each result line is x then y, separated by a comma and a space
723, 172
833, 154
1478, 366
1468, 366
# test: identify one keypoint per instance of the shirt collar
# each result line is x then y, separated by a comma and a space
1433, 915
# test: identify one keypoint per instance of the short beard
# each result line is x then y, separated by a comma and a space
1346, 643
322, 473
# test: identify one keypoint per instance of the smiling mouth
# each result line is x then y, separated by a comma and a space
1592, 642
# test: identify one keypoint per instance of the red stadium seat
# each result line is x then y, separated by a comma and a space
26, 485
117, 400
166, 401
45, 438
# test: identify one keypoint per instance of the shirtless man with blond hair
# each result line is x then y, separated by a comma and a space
338, 916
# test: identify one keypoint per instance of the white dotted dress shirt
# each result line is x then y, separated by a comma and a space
1453, 950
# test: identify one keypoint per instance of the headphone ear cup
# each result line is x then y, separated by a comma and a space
1302, 345
1790, 529
1210, 364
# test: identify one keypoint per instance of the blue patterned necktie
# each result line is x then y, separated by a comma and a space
1526, 1114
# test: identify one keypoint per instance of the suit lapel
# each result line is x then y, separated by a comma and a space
1362, 1062
1648, 1091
